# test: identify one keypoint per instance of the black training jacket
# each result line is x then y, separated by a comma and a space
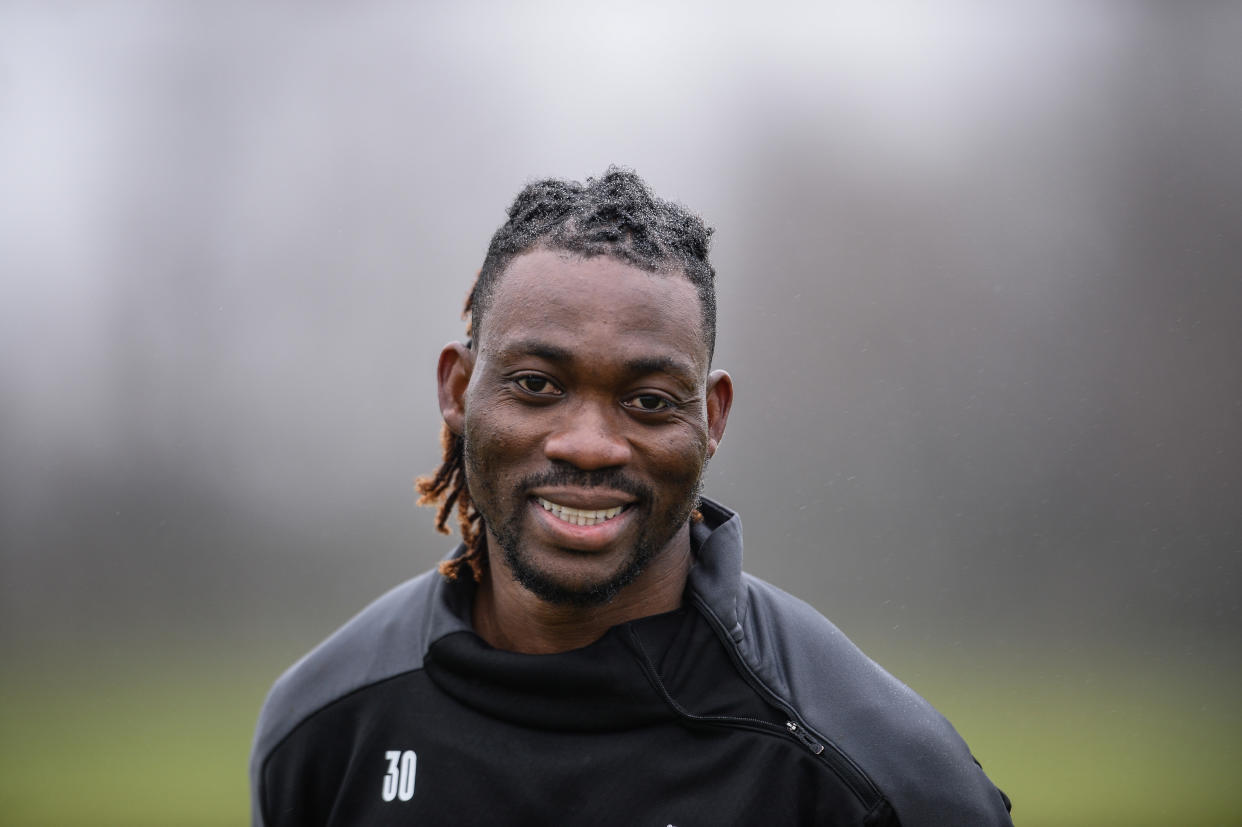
744, 707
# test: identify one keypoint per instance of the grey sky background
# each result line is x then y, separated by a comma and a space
978, 277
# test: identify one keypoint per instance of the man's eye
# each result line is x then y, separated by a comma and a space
650, 402
535, 384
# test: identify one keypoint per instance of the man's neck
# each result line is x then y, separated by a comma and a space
508, 616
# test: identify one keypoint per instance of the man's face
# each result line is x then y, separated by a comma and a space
588, 418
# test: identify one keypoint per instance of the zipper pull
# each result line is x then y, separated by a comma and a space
805, 737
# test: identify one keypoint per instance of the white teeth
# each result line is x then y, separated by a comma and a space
580, 516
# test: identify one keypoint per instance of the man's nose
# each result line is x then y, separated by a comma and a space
589, 437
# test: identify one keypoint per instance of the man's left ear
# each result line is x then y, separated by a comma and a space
719, 401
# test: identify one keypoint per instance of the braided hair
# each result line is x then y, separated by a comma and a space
614, 215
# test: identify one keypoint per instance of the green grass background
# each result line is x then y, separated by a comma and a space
145, 739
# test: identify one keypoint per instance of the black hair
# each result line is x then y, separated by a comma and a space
614, 215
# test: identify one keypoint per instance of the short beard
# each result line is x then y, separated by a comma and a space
508, 534
550, 591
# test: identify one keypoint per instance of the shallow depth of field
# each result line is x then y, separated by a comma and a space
979, 293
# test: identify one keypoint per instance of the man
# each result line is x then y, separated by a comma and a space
592, 653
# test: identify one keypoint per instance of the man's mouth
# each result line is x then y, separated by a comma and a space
579, 516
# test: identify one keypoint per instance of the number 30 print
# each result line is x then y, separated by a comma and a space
399, 780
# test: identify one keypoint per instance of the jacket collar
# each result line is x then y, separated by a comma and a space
717, 574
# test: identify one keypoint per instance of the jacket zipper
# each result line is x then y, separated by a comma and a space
842, 764
854, 778
803, 736
756, 724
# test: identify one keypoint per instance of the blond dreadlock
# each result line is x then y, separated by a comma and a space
447, 487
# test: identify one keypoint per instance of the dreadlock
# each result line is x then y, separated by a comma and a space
615, 215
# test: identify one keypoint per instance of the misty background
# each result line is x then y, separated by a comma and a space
978, 282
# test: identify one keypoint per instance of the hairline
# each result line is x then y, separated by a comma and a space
665, 267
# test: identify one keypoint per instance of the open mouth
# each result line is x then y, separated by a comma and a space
580, 516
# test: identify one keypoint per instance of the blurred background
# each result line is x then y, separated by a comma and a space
980, 296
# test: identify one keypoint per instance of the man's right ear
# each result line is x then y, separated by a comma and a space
452, 378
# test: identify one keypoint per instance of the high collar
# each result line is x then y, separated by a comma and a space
716, 577
603, 686
599, 686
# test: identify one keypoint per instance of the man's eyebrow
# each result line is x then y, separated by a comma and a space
645, 365
639, 366
541, 349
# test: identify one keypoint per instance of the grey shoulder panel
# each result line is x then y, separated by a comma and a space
387, 638
908, 749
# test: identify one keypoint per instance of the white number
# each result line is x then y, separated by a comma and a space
399, 780
390, 780
409, 761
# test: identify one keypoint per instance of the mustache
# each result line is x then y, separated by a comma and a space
567, 475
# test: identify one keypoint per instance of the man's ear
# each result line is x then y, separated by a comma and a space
452, 378
719, 401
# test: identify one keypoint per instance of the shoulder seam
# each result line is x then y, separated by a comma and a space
306, 718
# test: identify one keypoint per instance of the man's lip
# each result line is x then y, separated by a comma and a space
565, 534
585, 499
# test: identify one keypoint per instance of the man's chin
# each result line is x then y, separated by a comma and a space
581, 593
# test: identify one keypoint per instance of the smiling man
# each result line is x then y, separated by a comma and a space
592, 653
587, 414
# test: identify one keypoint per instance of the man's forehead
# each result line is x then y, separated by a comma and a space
548, 300
544, 265
542, 281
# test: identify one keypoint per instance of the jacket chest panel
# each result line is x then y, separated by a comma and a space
404, 753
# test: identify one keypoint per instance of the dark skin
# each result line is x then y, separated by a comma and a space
590, 409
